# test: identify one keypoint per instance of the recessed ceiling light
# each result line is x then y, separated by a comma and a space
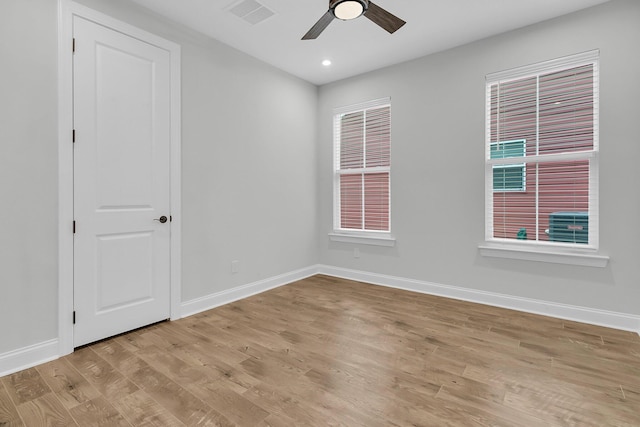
326, 62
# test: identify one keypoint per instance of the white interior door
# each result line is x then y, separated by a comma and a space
121, 182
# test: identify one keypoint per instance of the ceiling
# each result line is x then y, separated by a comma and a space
357, 46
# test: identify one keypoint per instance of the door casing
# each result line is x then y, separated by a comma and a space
67, 9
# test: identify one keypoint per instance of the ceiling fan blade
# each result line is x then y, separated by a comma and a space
319, 26
385, 19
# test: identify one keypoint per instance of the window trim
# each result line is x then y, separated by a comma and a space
543, 253
374, 238
370, 237
550, 252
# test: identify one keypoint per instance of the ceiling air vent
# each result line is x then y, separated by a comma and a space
251, 11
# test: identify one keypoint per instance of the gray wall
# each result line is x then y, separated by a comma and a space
438, 171
28, 173
248, 166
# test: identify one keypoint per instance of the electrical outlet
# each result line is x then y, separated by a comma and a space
235, 266
356, 252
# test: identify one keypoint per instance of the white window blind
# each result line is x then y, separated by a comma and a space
362, 142
541, 153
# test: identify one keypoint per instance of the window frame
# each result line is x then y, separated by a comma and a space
538, 250
348, 235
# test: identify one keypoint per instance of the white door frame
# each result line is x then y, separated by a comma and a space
67, 9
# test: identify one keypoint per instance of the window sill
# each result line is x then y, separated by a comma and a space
544, 254
364, 239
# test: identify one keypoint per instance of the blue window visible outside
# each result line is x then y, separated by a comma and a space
509, 177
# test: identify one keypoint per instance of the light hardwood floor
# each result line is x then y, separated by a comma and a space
326, 351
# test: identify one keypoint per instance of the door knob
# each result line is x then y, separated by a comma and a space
162, 219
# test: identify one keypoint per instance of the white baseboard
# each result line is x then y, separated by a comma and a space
208, 302
610, 319
28, 357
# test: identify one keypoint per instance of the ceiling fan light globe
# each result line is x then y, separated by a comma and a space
348, 9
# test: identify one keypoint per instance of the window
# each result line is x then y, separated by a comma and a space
362, 145
508, 177
541, 154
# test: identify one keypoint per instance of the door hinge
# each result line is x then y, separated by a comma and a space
73, 136
73, 45
74, 227
74, 317
170, 218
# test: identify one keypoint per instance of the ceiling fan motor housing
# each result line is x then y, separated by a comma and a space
336, 4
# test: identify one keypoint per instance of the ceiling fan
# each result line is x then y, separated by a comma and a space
352, 9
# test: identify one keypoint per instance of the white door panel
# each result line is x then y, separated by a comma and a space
121, 182
121, 252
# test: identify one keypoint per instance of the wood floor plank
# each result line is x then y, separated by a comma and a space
135, 340
171, 366
100, 374
195, 379
327, 402
98, 412
279, 420
71, 388
119, 355
329, 351
489, 413
614, 334
176, 399
219, 370
45, 410
143, 411
349, 388
554, 409
232, 405
282, 400
9, 416
25, 386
